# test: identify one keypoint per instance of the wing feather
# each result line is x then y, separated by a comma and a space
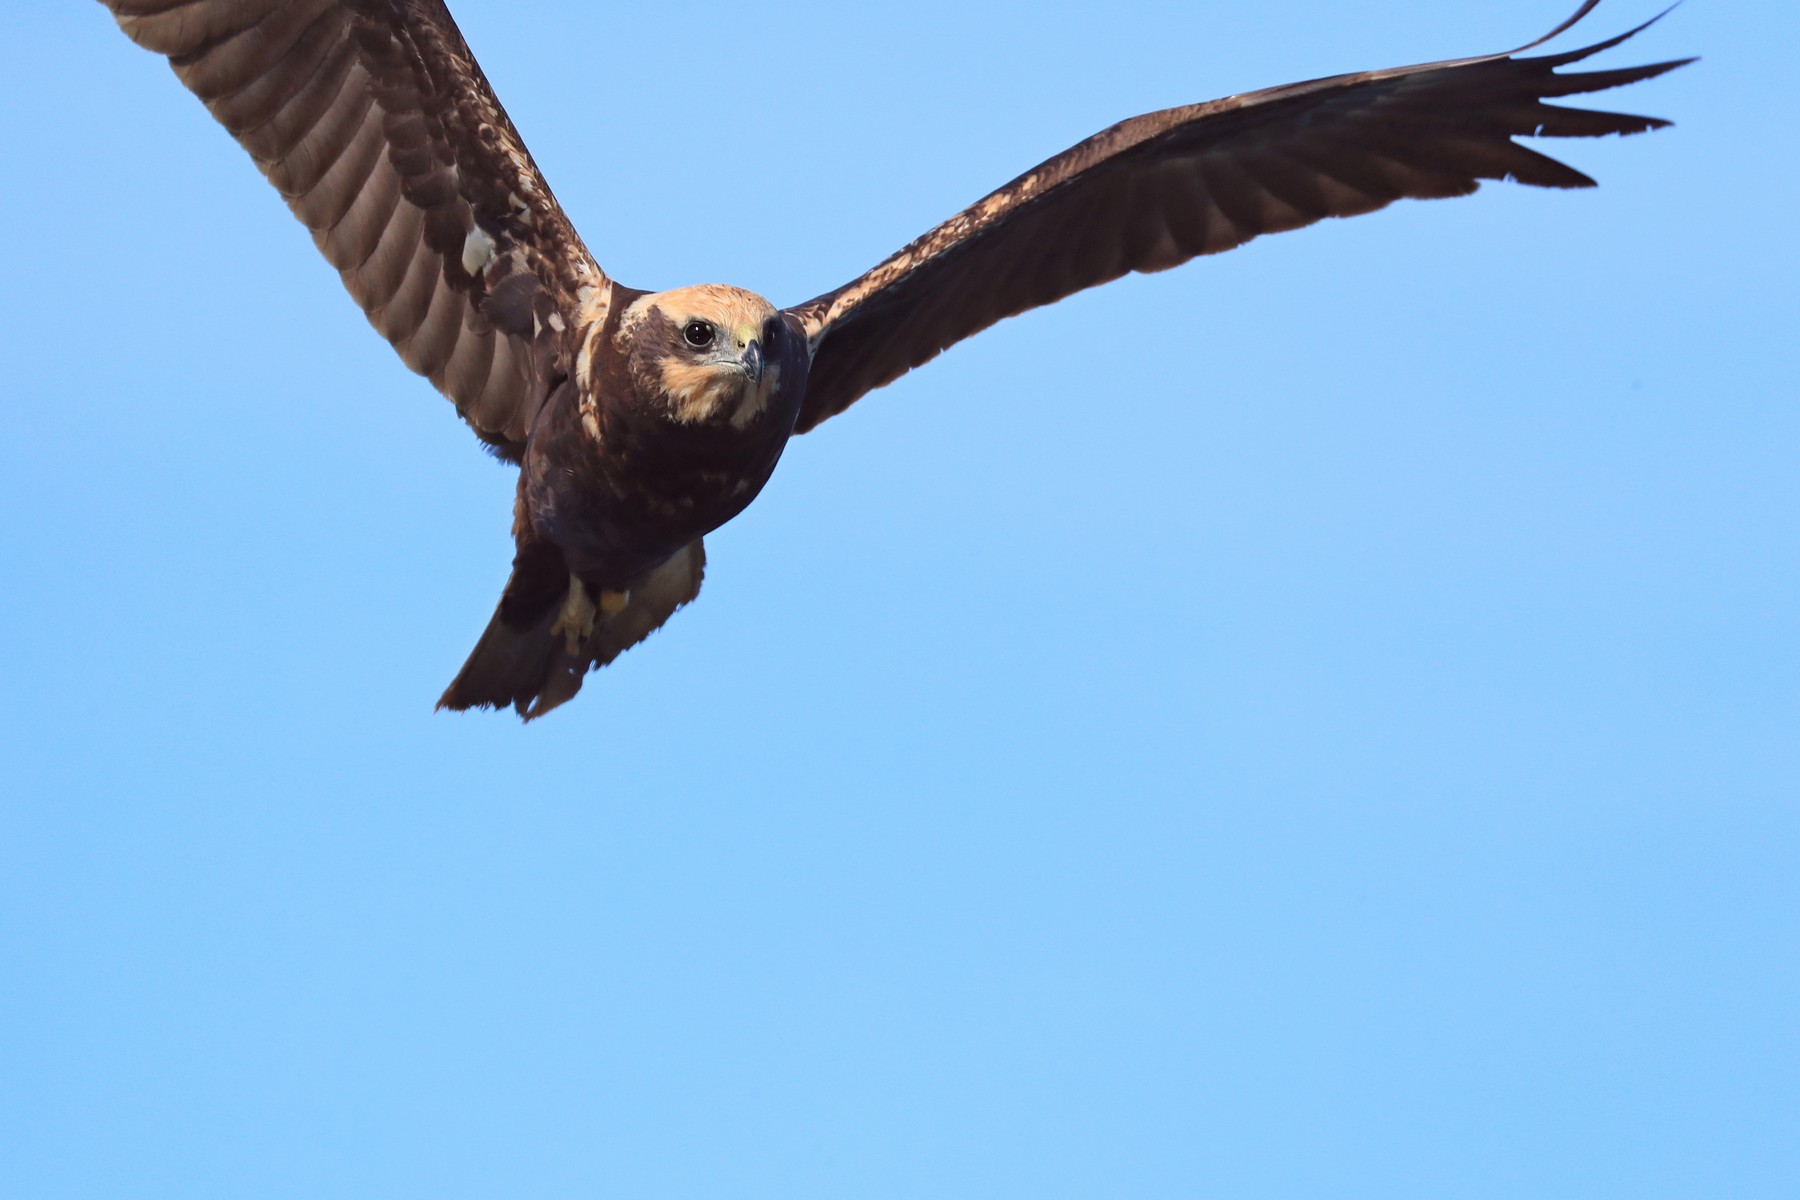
1158, 190
380, 131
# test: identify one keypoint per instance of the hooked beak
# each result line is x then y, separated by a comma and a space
751, 360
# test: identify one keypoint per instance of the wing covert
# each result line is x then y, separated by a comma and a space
1153, 192
375, 123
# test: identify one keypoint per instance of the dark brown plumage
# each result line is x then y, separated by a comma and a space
642, 421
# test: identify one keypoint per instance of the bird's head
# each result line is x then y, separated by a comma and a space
709, 353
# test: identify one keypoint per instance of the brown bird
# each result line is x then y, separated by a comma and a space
641, 421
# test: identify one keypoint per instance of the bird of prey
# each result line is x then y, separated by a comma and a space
643, 420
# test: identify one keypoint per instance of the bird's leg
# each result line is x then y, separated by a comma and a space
576, 620
580, 614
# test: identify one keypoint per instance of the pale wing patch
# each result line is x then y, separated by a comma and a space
592, 307
478, 251
958, 228
634, 315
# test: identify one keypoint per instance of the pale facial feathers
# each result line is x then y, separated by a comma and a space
704, 351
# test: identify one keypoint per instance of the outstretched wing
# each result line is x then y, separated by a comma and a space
375, 123
1152, 192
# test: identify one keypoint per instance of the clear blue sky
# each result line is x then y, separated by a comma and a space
1322, 722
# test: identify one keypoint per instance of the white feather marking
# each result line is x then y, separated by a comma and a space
478, 251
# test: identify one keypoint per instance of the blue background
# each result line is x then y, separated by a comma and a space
1321, 722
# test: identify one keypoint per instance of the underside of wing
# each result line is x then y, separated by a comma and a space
375, 123
1155, 191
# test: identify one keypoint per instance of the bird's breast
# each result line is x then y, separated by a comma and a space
622, 502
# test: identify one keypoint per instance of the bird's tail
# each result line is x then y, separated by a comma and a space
548, 632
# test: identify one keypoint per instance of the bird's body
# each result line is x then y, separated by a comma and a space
641, 421
676, 412
656, 442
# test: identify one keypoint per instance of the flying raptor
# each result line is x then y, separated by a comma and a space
643, 420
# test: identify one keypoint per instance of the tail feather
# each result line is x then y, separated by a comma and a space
521, 661
512, 658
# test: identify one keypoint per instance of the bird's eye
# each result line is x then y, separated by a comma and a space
697, 334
